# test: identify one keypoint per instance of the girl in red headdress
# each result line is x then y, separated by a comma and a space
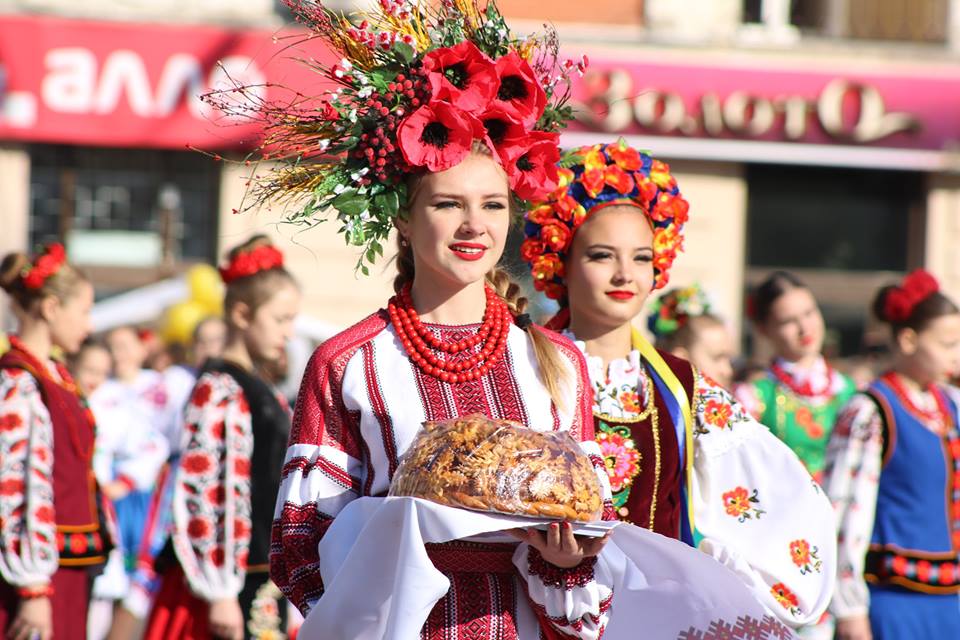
684, 458
215, 584
51, 535
893, 472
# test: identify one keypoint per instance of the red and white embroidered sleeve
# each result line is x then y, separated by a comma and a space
574, 602
212, 504
322, 471
28, 550
851, 480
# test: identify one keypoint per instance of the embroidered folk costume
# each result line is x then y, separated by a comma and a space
893, 472
52, 527
800, 406
236, 429
683, 457
418, 88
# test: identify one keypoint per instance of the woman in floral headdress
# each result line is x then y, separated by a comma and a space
215, 581
452, 125
893, 466
684, 325
801, 394
684, 459
51, 530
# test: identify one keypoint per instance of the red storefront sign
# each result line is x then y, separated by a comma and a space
913, 108
122, 84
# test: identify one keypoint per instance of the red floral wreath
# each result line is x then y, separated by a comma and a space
603, 176
247, 263
902, 300
47, 263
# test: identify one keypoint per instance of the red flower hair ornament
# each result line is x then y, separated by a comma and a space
44, 265
248, 263
602, 176
417, 86
903, 299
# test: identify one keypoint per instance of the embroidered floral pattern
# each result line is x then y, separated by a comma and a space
630, 400
26, 510
715, 407
742, 505
805, 557
621, 458
265, 620
717, 413
214, 484
786, 598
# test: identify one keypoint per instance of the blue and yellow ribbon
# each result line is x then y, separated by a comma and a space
680, 408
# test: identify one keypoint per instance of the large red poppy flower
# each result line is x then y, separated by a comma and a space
461, 75
519, 94
501, 130
437, 136
532, 168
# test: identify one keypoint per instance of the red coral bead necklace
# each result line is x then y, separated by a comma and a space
422, 345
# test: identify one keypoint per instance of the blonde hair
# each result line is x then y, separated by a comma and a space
553, 372
61, 285
257, 289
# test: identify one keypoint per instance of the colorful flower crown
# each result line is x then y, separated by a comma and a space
44, 265
674, 309
417, 87
247, 263
900, 301
596, 177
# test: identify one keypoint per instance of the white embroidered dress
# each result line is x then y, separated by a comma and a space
361, 404
757, 509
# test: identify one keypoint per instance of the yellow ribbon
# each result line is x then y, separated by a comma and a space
663, 370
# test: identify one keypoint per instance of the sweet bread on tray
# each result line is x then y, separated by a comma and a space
500, 466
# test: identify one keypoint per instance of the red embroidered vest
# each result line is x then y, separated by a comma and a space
652, 498
80, 540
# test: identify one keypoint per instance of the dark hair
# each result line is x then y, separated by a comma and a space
60, 285
91, 343
257, 289
764, 295
934, 306
687, 334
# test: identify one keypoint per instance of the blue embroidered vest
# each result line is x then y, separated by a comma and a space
916, 533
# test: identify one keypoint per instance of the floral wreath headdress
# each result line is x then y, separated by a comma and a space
44, 265
596, 177
673, 310
250, 262
416, 87
901, 300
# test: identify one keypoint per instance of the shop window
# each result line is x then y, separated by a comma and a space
845, 232
803, 14
907, 20
141, 211
923, 21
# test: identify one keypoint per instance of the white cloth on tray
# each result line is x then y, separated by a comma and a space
381, 585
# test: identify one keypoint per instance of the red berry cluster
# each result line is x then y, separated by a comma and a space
378, 146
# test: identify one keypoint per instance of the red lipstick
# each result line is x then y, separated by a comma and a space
621, 295
469, 251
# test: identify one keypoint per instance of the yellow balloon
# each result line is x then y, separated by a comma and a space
180, 321
206, 288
